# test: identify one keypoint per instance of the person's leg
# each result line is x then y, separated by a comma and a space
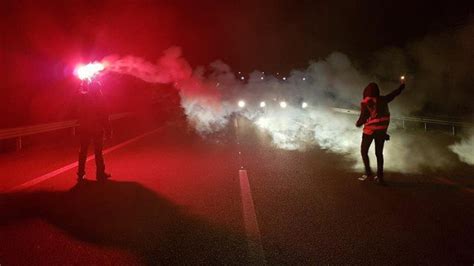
99, 158
84, 143
364, 151
379, 144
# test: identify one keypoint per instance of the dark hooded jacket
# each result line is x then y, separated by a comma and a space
374, 112
93, 115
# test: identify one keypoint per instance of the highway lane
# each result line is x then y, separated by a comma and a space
174, 198
178, 198
311, 209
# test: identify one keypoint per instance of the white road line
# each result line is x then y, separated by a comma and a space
252, 230
446, 181
63, 169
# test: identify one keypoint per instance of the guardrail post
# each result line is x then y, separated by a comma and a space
454, 130
18, 144
426, 127
403, 124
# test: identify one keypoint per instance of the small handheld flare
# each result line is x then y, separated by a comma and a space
89, 71
402, 78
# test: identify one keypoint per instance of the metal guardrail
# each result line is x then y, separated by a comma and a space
424, 120
19, 132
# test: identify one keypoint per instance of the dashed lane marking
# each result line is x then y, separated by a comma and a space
65, 168
252, 230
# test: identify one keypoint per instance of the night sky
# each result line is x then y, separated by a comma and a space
42, 40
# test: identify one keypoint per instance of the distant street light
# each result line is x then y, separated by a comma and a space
263, 104
241, 104
283, 104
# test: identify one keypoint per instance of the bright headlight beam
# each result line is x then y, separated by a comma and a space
241, 103
283, 104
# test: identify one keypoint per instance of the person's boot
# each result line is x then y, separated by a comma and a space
103, 176
80, 177
380, 180
364, 177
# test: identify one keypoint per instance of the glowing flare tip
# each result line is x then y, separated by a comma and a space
283, 104
88, 71
263, 104
241, 103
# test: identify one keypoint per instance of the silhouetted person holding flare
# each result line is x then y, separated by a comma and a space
375, 116
94, 125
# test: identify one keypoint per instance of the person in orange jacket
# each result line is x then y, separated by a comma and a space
94, 125
375, 116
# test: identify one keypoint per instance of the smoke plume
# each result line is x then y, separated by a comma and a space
465, 149
209, 96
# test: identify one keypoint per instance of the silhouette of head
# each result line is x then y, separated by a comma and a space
372, 90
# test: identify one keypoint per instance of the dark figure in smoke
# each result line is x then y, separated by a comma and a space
93, 126
375, 117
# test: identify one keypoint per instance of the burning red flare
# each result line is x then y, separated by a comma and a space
88, 71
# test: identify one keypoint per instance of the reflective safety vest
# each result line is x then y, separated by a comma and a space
374, 122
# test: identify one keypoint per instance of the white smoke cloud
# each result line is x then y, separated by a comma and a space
465, 149
169, 68
209, 96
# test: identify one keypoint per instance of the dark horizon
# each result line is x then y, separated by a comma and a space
268, 35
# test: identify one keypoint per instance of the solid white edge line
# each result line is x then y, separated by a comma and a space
70, 166
254, 240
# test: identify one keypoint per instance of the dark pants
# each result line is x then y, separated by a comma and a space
379, 137
98, 141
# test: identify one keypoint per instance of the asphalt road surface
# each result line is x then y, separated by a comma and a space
232, 198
